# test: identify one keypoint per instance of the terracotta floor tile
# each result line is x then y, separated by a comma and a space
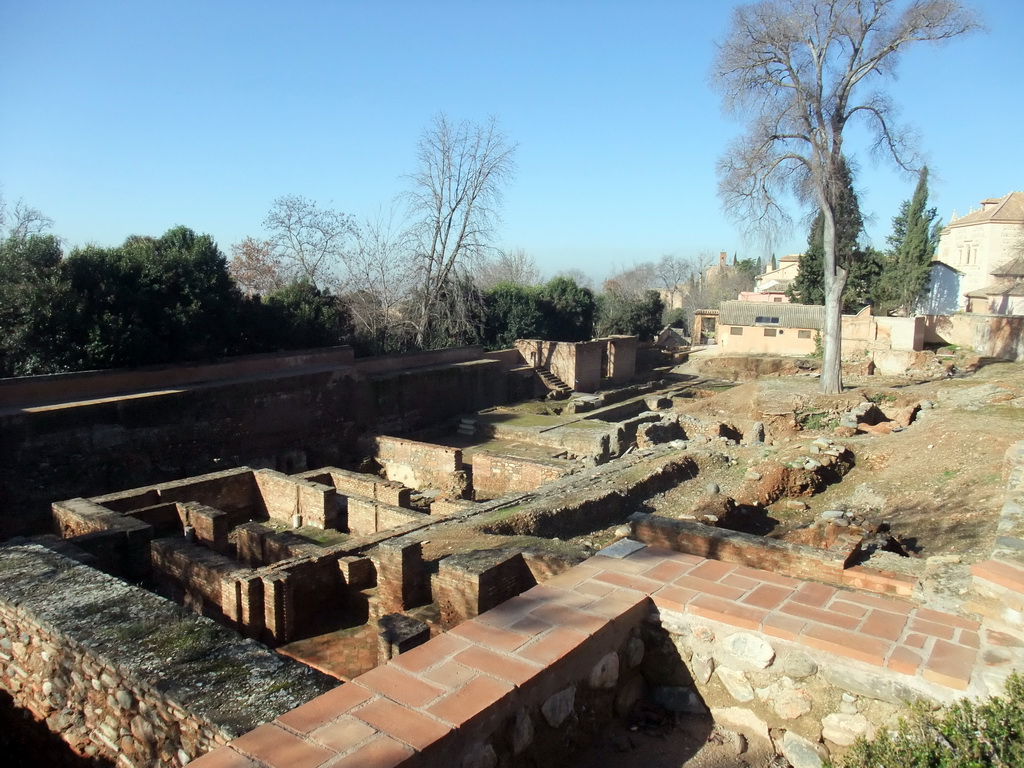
570, 578
560, 616
1003, 574
767, 596
324, 708
277, 747
450, 674
406, 725
343, 734
876, 601
816, 595
819, 615
888, 626
503, 666
499, 638
382, 752
672, 598
947, 619
712, 570
399, 685
727, 611
950, 665
595, 588
462, 705
629, 581
850, 644
850, 609
530, 625
904, 660
552, 646
766, 577
224, 757
666, 570
969, 638
740, 582
432, 652
783, 626
943, 631
618, 564
705, 587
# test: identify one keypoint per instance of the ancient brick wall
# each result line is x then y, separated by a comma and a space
495, 475
286, 422
419, 465
286, 497
366, 516
126, 675
471, 583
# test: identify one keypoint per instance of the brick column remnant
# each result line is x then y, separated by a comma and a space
400, 575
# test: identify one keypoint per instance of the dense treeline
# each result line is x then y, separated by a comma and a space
147, 301
173, 299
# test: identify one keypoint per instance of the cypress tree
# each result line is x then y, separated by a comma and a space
911, 247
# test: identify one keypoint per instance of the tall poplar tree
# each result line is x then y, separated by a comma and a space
915, 235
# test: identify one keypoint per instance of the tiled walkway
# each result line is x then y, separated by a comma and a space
416, 701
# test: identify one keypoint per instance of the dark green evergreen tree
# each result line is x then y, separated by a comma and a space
808, 287
912, 244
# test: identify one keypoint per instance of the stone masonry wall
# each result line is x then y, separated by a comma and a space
495, 475
366, 516
123, 674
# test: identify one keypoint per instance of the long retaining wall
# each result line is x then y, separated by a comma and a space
286, 421
125, 675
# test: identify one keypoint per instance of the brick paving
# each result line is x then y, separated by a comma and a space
421, 698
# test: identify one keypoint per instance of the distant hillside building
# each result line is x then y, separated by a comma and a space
985, 247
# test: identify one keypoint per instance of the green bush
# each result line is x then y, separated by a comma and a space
967, 735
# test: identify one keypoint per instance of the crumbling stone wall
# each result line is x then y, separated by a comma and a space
124, 674
297, 500
367, 516
421, 465
495, 475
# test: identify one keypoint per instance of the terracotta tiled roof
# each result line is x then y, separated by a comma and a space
1009, 208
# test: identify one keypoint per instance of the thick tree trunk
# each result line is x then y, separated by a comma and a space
831, 382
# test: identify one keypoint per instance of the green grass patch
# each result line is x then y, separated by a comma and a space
822, 421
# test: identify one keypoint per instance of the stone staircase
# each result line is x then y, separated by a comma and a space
553, 383
467, 426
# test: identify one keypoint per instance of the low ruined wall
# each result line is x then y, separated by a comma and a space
123, 674
286, 497
988, 335
797, 560
70, 387
470, 583
419, 465
350, 483
404, 361
495, 475
366, 516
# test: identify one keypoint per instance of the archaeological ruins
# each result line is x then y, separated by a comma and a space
479, 559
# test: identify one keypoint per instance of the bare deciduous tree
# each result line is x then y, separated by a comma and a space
454, 202
799, 71
380, 280
515, 266
309, 240
255, 266
22, 221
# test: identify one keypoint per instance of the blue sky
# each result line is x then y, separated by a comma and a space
127, 118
